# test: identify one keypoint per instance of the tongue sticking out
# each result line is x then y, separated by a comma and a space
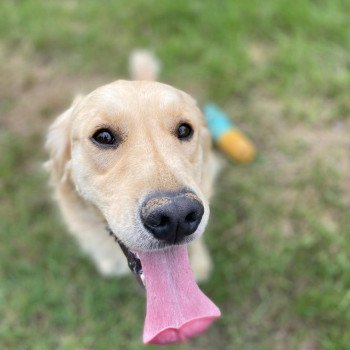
176, 308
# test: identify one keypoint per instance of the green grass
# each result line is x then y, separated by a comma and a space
279, 226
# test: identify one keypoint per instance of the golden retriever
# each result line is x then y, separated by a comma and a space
134, 158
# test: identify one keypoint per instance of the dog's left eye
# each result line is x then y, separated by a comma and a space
184, 131
104, 138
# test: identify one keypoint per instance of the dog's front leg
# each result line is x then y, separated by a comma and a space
200, 260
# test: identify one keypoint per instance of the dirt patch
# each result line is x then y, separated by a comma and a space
260, 53
33, 95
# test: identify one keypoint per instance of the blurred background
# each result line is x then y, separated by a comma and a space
279, 230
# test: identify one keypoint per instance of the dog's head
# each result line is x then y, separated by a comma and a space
137, 151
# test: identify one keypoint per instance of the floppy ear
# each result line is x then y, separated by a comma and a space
58, 145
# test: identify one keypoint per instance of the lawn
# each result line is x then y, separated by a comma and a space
279, 228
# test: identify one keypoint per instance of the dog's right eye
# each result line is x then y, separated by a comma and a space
104, 138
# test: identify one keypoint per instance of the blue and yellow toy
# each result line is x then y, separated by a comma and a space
227, 136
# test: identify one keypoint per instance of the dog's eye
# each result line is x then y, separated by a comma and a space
184, 131
105, 138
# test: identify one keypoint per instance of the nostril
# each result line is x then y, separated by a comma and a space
161, 225
163, 221
191, 217
158, 221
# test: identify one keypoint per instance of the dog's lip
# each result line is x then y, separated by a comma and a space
134, 263
132, 258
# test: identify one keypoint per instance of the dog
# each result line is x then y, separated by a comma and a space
134, 158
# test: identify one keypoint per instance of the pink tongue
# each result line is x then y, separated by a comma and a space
176, 308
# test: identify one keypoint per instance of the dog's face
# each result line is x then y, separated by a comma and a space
136, 151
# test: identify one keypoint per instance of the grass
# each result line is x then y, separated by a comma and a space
279, 226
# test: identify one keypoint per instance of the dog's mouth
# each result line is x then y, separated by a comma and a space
176, 307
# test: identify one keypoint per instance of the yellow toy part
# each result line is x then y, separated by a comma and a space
236, 145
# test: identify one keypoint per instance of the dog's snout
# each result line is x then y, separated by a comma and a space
172, 216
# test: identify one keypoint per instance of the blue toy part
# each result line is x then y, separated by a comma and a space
217, 120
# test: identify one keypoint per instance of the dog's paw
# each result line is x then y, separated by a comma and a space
202, 268
200, 262
110, 267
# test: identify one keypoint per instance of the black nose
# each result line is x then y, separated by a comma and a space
172, 216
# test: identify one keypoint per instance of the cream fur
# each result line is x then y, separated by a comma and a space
98, 187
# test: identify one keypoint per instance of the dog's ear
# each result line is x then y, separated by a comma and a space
58, 145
